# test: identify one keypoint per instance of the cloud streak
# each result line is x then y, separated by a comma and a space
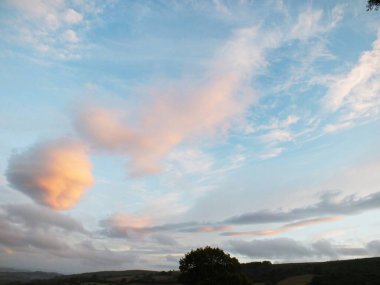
53, 174
324, 211
288, 249
285, 228
349, 205
354, 95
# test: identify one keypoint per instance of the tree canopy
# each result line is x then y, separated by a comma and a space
373, 5
209, 266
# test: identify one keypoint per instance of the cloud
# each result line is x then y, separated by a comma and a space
357, 90
277, 136
32, 216
286, 248
12, 236
349, 205
332, 128
44, 242
374, 247
163, 239
309, 23
72, 16
71, 36
184, 111
283, 229
51, 28
221, 7
323, 211
271, 153
54, 174
280, 248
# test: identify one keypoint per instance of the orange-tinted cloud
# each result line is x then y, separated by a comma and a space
54, 173
126, 220
182, 112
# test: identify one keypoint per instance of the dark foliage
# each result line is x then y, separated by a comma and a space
348, 272
373, 5
209, 266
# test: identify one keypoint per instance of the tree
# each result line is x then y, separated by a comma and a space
210, 266
373, 5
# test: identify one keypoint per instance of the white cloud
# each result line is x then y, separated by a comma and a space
189, 161
332, 128
271, 153
73, 17
71, 36
310, 23
358, 90
277, 136
51, 27
221, 7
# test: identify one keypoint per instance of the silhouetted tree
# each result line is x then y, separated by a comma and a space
209, 266
373, 5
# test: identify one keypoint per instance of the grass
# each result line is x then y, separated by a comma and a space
297, 280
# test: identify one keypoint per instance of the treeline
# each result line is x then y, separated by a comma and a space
344, 272
111, 277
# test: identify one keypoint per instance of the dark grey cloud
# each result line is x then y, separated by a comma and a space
15, 237
25, 225
164, 239
282, 229
374, 247
326, 209
32, 216
349, 205
288, 249
281, 248
324, 248
59, 243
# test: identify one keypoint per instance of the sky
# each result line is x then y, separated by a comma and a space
135, 131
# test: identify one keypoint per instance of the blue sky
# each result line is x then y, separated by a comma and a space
134, 131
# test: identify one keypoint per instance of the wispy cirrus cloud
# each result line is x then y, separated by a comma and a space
53, 29
310, 23
54, 174
354, 95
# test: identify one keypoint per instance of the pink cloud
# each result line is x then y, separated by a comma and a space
184, 111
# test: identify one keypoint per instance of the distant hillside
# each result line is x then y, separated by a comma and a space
13, 276
341, 272
346, 272
101, 278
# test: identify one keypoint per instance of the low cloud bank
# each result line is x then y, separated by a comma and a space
288, 249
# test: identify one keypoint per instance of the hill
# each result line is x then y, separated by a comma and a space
14, 276
354, 271
341, 272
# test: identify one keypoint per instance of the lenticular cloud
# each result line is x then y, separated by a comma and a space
54, 174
